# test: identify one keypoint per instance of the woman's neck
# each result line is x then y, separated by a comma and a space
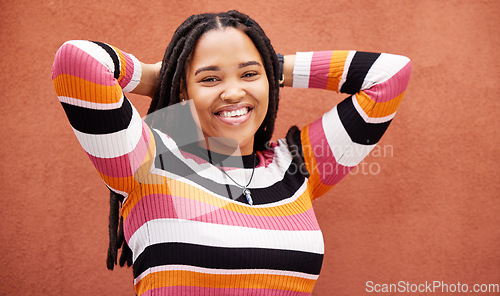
224, 146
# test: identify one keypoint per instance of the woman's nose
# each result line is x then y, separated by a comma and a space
234, 93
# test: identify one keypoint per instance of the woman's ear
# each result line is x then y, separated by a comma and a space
182, 92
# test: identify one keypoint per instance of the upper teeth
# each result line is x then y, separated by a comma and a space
233, 113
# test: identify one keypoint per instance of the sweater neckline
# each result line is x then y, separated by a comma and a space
222, 160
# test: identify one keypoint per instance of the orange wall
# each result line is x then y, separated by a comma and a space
427, 211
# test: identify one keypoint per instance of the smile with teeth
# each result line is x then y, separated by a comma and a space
234, 113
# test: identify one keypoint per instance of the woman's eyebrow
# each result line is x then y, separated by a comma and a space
207, 68
216, 68
249, 63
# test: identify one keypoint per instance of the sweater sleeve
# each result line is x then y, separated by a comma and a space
346, 134
90, 79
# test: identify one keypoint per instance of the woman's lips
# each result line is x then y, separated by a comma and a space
234, 115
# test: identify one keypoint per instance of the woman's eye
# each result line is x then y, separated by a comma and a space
209, 79
250, 74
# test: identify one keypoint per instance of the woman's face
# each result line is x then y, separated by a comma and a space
228, 84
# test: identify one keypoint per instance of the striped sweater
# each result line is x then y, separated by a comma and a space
190, 229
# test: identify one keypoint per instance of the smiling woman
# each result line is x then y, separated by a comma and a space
227, 81
228, 213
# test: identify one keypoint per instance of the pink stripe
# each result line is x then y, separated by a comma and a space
151, 207
330, 171
117, 167
161, 206
203, 291
196, 159
129, 70
74, 61
319, 73
266, 157
125, 165
391, 88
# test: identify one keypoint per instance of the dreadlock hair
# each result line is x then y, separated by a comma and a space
172, 78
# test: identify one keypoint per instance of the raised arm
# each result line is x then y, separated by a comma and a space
345, 135
90, 79
149, 80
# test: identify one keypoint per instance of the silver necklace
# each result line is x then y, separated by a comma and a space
246, 191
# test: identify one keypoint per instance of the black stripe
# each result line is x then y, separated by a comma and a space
227, 258
359, 131
99, 122
283, 189
114, 57
360, 65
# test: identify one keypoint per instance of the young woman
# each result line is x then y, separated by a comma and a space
227, 212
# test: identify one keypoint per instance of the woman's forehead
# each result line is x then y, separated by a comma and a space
226, 47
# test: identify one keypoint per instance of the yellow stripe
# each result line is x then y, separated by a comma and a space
81, 89
337, 64
248, 281
374, 109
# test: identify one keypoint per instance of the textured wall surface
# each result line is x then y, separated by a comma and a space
424, 206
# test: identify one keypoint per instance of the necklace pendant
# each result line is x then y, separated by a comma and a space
248, 196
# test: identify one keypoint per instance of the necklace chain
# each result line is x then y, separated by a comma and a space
246, 191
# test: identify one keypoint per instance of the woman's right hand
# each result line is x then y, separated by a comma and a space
149, 79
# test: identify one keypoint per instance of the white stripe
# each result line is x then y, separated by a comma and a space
347, 64
204, 270
114, 144
345, 151
302, 69
276, 170
227, 236
366, 117
136, 77
91, 105
386, 66
95, 51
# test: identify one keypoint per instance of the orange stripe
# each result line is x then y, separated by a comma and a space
145, 168
123, 63
191, 192
337, 64
81, 89
318, 187
249, 281
126, 184
156, 184
143, 190
373, 109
